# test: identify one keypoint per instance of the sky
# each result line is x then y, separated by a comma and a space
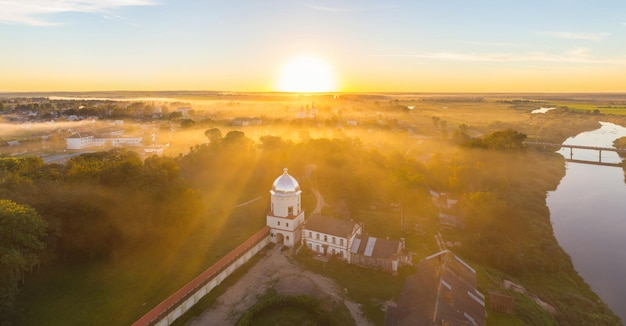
238, 45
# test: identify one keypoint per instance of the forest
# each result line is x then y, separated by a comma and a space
111, 211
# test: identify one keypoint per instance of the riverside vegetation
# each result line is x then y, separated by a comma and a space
119, 226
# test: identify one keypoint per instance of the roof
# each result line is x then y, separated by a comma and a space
81, 135
285, 184
444, 288
330, 225
374, 247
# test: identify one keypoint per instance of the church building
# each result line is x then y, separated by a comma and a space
327, 236
286, 217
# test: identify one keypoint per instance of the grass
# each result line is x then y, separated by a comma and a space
277, 309
604, 108
119, 291
380, 287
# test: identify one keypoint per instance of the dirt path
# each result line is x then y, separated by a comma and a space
320, 202
276, 270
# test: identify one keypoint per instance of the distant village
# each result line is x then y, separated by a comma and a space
69, 126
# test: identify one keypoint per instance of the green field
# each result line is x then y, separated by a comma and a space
119, 291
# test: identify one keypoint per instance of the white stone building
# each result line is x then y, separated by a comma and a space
331, 236
86, 140
286, 217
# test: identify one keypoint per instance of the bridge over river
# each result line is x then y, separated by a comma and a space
571, 152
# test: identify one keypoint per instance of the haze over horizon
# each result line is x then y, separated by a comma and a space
360, 46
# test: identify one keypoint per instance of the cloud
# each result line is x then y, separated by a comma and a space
495, 44
333, 8
596, 37
36, 12
575, 56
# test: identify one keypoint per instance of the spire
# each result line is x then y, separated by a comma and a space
285, 170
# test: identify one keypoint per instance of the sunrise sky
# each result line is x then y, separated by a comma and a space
232, 45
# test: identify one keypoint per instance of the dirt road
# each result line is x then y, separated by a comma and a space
276, 270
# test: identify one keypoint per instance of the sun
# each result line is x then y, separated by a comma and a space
306, 74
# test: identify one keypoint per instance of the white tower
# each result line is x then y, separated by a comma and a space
286, 217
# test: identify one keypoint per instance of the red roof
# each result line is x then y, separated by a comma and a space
169, 304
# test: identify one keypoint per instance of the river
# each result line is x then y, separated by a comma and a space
588, 214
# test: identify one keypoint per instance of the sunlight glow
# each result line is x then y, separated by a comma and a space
306, 74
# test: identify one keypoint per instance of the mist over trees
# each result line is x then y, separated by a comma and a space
103, 205
21, 233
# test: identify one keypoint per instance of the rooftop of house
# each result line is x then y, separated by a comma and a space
442, 290
375, 247
330, 225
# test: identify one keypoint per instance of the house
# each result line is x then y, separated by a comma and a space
331, 236
327, 236
385, 254
441, 292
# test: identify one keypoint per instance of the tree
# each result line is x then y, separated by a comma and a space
21, 231
187, 123
505, 139
214, 135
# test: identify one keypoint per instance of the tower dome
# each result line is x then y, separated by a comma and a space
285, 184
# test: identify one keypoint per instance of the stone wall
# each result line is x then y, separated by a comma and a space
186, 297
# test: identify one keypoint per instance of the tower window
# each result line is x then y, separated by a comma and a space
341, 242
290, 210
325, 238
287, 224
278, 223
317, 236
333, 240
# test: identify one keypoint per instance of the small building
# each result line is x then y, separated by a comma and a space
286, 217
330, 236
185, 111
442, 292
153, 150
385, 254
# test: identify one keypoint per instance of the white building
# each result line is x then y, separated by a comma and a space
331, 236
286, 217
86, 140
79, 140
